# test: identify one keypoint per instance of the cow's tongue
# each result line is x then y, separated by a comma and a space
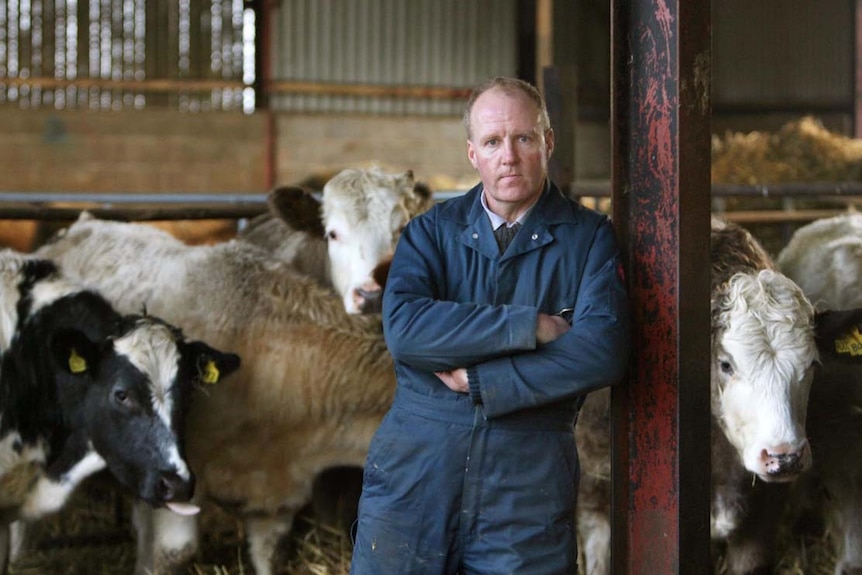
183, 508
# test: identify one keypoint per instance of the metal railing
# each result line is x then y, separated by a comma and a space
174, 206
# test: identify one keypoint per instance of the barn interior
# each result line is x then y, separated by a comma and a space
186, 114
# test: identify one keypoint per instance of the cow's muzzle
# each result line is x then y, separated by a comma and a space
785, 465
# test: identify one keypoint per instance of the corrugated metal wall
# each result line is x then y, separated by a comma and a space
782, 53
445, 43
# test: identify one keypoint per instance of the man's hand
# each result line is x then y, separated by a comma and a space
456, 380
550, 327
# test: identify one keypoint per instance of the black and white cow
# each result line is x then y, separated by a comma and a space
825, 258
83, 388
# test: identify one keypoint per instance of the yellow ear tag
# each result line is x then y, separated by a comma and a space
77, 364
850, 343
210, 373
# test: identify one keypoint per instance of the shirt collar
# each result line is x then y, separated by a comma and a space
497, 221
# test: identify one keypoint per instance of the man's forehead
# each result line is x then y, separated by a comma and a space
491, 112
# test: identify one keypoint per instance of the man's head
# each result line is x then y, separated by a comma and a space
509, 142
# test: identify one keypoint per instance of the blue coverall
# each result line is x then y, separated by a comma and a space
486, 482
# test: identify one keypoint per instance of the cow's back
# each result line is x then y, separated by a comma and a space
825, 259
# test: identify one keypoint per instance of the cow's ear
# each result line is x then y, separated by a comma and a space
73, 352
839, 334
298, 208
210, 365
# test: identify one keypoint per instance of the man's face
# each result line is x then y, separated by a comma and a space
509, 150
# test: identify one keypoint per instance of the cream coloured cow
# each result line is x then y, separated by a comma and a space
825, 259
763, 358
313, 385
341, 239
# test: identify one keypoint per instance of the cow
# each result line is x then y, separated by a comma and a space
341, 239
314, 384
763, 356
825, 258
84, 388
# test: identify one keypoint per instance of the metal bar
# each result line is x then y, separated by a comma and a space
138, 213
598, 189
132, 198
266, 16
857, 69
779, 217
152, 85
367, 90
661, 201
560, 89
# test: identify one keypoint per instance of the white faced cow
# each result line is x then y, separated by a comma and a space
825, 258
314, 384
361, 215
83, 388
763, 359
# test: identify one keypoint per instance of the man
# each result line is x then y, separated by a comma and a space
474, 469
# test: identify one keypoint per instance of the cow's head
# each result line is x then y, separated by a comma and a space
130, 393
364, 212
361, 215
763, 356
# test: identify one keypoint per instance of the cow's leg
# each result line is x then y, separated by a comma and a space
5, 543
750, 549
844, 517
594, 534
335, 497
264, 536
19, 539
167, 542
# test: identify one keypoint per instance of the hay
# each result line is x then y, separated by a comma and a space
801, 151
93, 537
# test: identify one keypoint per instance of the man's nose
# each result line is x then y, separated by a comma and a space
510, 153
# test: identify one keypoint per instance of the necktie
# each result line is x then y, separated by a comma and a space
504, 235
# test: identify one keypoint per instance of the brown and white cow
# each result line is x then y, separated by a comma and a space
762, 363
341, 239
825, 258
313, 386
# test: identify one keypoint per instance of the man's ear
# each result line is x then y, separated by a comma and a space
471, 154
550, 142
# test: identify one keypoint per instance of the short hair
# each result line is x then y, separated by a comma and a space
509, 86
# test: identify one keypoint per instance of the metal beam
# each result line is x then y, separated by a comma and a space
661, 206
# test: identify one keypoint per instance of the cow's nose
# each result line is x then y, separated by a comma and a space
785, 465
172, 487
369, 300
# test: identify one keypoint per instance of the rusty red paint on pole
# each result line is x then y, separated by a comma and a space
660, 133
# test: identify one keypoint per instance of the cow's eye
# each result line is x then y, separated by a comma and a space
725, 367
331, 235
124, 398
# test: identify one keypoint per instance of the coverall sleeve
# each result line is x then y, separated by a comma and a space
432, 334
497, 343
593, 354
